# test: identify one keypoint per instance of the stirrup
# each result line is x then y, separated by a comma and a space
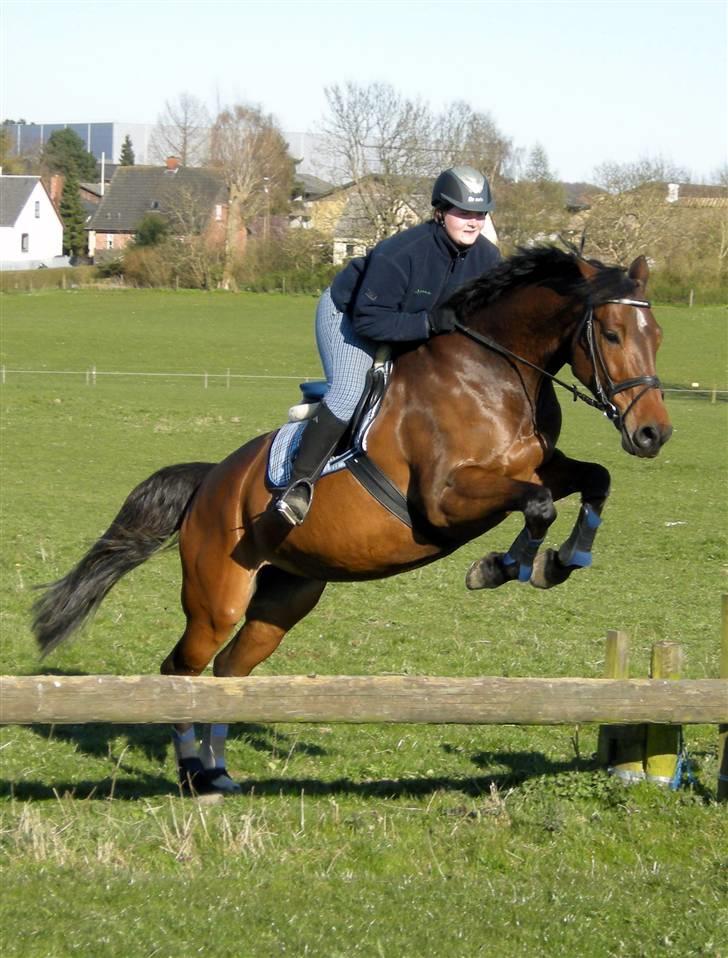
293, 507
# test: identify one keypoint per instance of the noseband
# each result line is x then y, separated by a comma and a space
604, 386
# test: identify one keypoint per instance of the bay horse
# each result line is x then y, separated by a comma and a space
466, 432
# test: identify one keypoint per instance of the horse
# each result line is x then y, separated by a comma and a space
466, 434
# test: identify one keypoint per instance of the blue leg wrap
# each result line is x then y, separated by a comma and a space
576, 551
523, 551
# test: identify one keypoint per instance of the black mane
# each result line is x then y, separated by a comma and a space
547, 266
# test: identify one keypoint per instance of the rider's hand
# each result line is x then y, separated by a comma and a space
441, 320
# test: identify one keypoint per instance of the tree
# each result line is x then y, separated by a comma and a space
635, 216
248, 149
9, 161
532, 207
380, 142
391, 148
621, 177
127, 152
466, 137
151, 231
74, 218
65, 153
182, 130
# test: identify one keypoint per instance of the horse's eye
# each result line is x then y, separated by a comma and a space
611, 336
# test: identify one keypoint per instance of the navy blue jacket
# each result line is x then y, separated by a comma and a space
389, 294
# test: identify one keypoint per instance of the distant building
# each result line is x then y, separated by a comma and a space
186, 197
697, 195
107, 139
98, 138
31, 231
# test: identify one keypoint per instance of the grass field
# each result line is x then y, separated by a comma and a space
374, 841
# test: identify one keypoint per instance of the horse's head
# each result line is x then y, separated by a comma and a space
614, 356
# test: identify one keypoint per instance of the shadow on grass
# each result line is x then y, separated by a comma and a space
130, 782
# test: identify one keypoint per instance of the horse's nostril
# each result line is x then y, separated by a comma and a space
647, 437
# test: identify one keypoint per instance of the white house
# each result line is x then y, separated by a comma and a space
31, 231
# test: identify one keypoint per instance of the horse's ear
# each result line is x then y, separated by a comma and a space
639, 271
586, 269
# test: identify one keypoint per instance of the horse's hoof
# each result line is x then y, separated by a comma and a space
548, 571
200, 782
221, 782
489, 572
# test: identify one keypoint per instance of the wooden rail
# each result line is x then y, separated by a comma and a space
49, 699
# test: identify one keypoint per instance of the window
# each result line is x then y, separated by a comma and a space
24, 243
349, 249
37, 209
109, 241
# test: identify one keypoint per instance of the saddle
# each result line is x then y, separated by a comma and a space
352, 443
351, 453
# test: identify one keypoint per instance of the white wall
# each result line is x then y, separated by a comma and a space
45, 232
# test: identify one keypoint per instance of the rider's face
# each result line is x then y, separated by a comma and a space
463, 226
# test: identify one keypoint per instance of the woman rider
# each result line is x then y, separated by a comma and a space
395, 295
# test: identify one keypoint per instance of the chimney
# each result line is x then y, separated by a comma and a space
172, 164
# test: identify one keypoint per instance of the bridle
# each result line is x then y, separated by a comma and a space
604, 386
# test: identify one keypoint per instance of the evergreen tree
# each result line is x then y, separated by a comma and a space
74, 219
127, 152
65, 153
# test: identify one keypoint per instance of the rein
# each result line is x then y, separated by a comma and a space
604, 392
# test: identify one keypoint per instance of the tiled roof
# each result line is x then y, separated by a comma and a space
580, 195
313, 186
14, 193
136, 191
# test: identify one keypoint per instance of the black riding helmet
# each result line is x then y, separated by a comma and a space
464, 187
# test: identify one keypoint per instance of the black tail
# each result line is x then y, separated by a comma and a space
149, 518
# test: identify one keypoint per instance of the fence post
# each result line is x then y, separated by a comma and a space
723, 729
621, 747
663, 741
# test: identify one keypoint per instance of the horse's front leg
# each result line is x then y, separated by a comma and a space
564, 476
473, 493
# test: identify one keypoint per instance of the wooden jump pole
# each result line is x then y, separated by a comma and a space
621, 748
723, 727
662, 742
50, 699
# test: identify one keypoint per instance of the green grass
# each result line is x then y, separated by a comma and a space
371, 840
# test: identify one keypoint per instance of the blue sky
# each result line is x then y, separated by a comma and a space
589, 81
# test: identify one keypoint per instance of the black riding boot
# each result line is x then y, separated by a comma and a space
318, 441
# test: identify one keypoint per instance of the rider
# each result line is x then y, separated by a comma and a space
393, 295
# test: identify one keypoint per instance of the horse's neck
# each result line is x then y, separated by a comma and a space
537, 324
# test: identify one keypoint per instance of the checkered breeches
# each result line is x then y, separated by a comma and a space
346, 357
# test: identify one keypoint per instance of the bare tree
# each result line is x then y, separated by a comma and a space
621, 177
532, 207
463, 136
182, 130
391, 147
248, 149
381, 143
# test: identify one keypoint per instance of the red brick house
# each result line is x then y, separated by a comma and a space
189, 199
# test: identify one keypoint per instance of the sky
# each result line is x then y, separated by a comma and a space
591, 81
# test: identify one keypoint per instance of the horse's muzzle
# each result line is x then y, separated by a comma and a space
647, 440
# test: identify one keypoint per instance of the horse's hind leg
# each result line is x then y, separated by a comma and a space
280, 601
215, 593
